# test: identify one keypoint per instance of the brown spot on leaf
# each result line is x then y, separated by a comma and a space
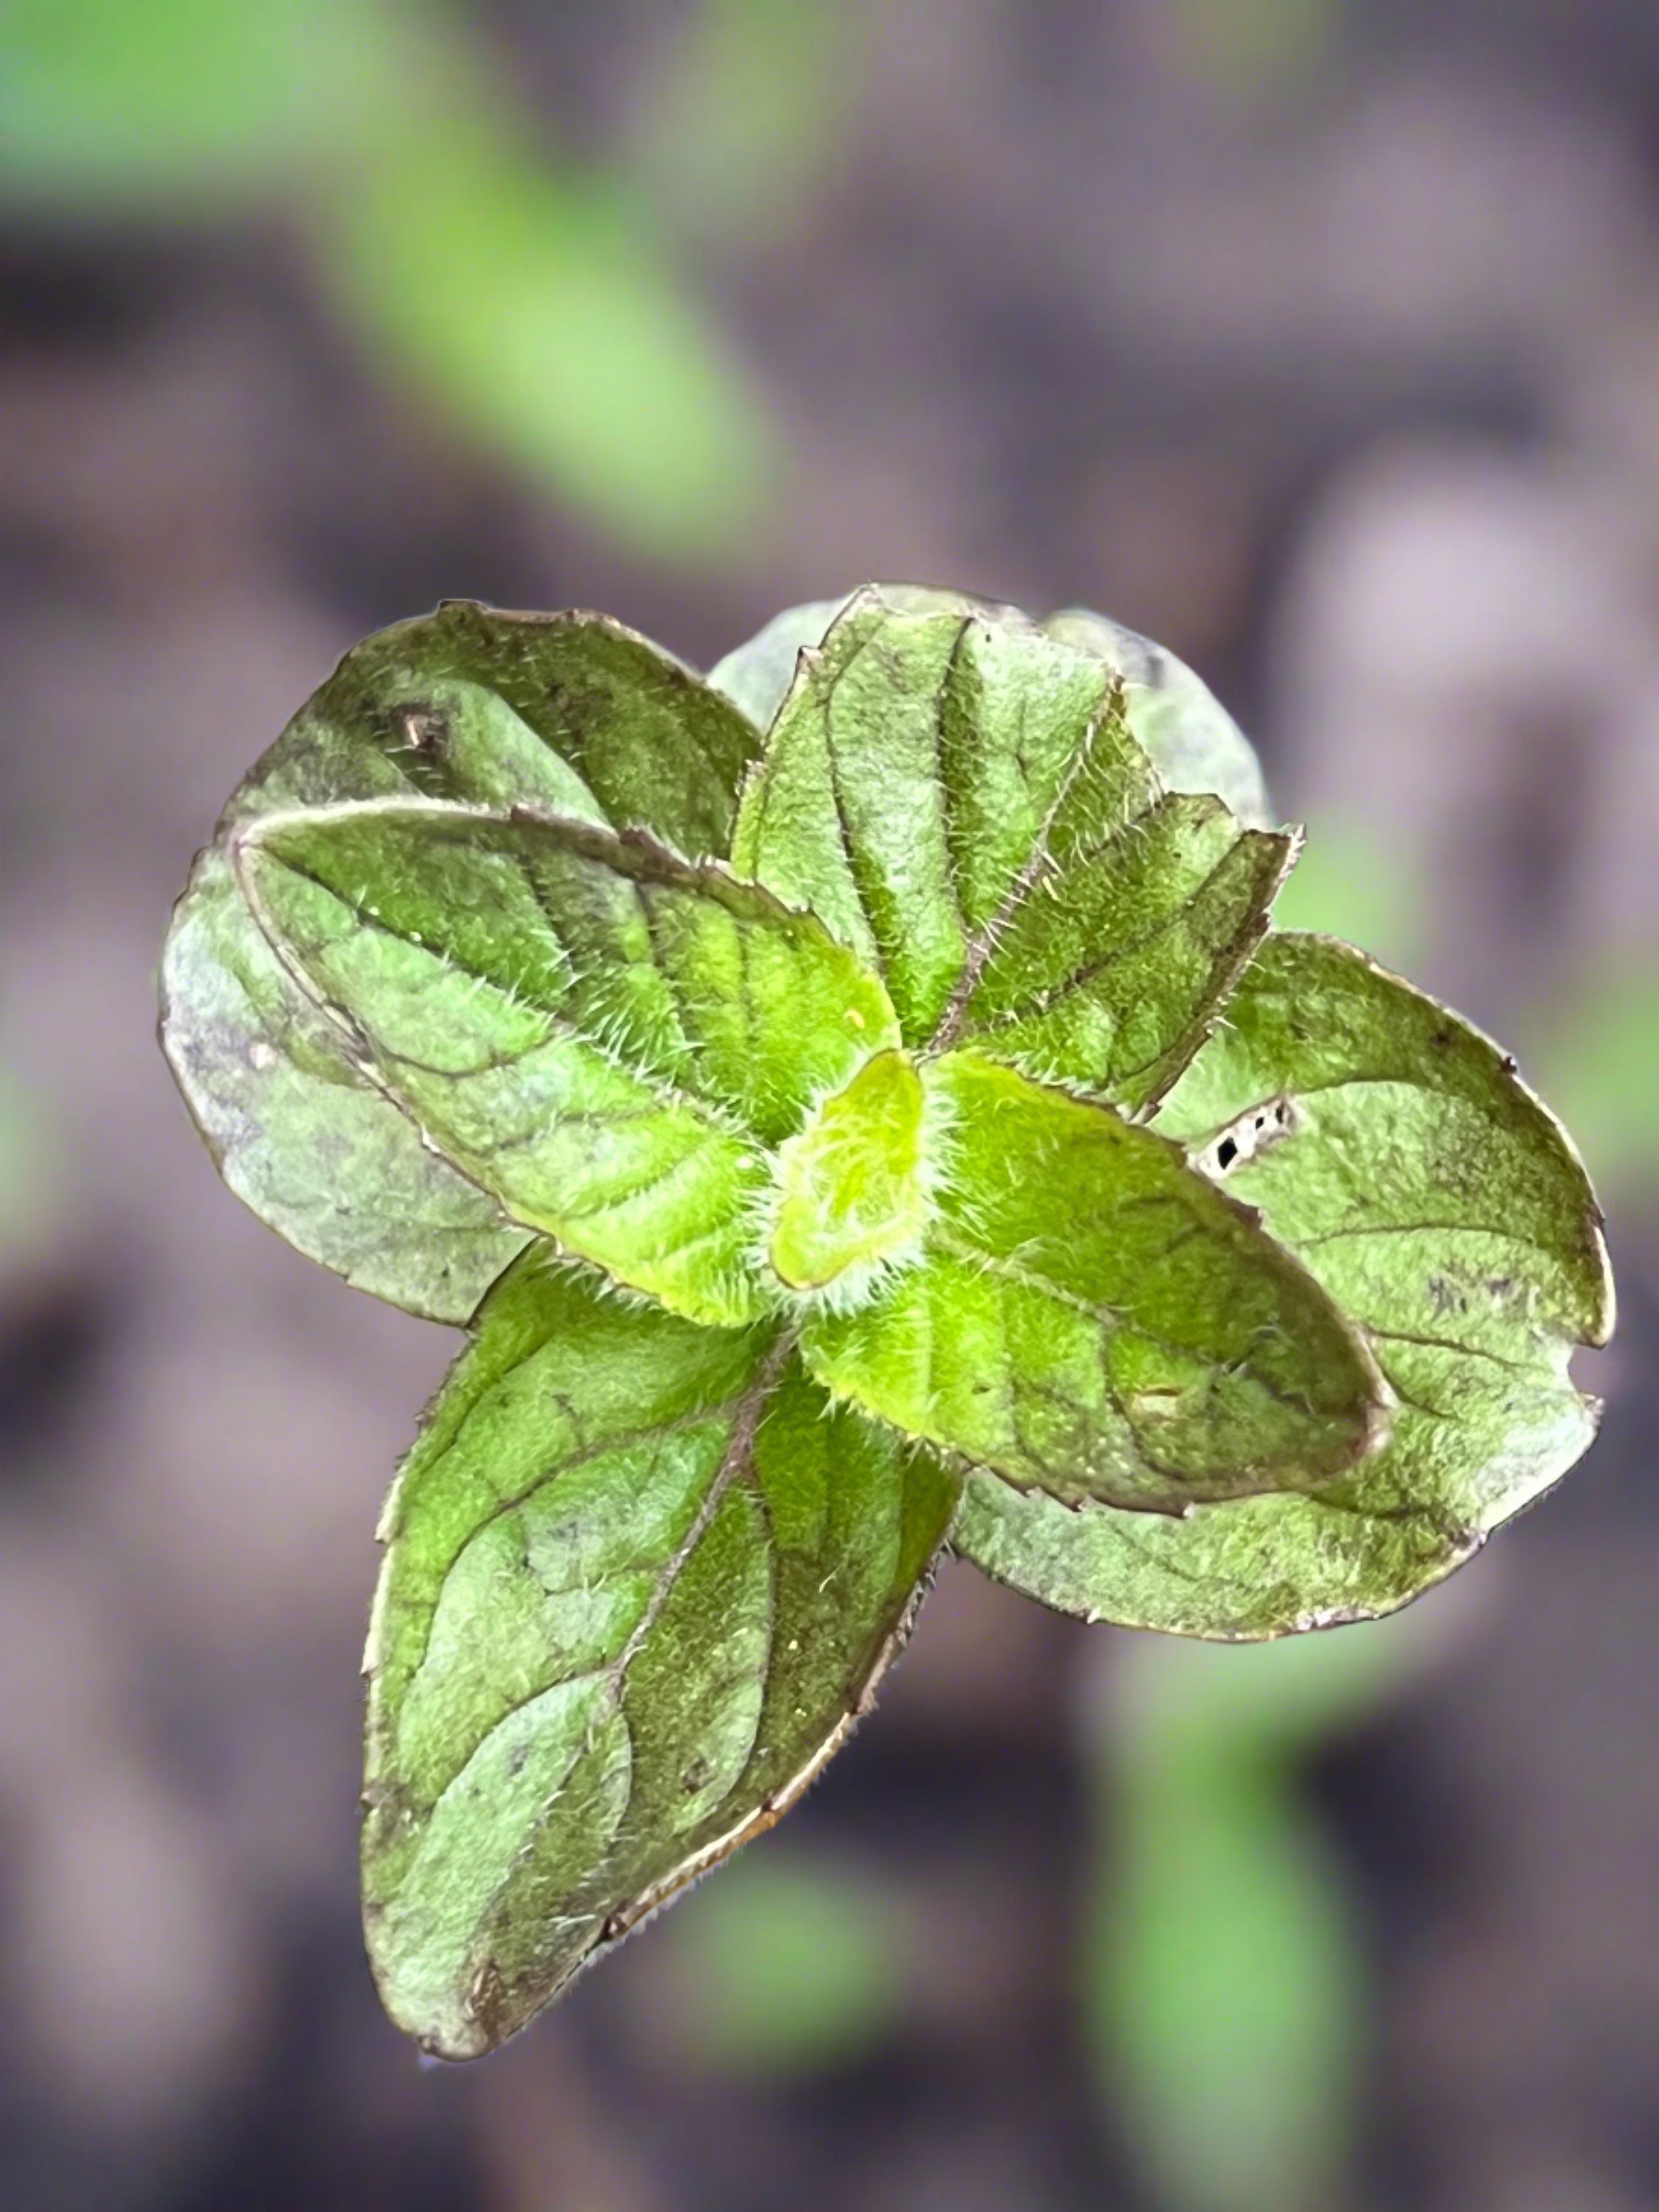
490, 2006
425, 731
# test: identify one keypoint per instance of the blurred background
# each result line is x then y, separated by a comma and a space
1319, 338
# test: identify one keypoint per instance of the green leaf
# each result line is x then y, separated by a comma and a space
963, 800
756, 675
1093, 1320
572, 713
1194, 742
874, 783
1110, 983
542, 312
1189, 737
601, 1035
852, 1186
640, 1581
1226, 1990
470, 702
1391, 1146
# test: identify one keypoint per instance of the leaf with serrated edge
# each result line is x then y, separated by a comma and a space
602, 1036
1391, 1145
1192, 741
1109, 982
756, 674
855, 812
963, 800
1189, 737
1092, 1319
640, 1580
572, 714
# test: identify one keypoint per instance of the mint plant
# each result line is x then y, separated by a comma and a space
856, 1105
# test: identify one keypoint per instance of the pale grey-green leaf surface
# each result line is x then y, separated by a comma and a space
1391, 1146
572, 714
1191, 739
641, 1579
603, 1036
1092, 1319
1194, 742
755, 675
963, 800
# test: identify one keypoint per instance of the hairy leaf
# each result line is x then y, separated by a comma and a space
1187, 734
572, 713
963, 800
1391, 1146
876, 782
853, 1185
640, 1580
846, 1233
1093, 1320
756, 675
600, 1035
1194, 742
1109, 982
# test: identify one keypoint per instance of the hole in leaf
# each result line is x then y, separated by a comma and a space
1254, 1132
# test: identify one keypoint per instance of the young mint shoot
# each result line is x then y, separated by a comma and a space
856, 1105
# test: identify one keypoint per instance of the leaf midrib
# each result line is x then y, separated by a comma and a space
746, 1410
709, 1111
982, 944
1106, 1317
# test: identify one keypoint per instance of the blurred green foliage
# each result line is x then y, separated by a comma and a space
31, 1191
1225, 1991
545, 314
163, 108
537, 306
1256, 45
787, 1965
742, 124
1347, 883
1597, 1057
1227, 1994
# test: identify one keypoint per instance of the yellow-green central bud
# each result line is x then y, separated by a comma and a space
851, 1187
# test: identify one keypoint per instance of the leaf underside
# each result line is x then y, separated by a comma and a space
641, 1579
572, 713
1391, 1147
